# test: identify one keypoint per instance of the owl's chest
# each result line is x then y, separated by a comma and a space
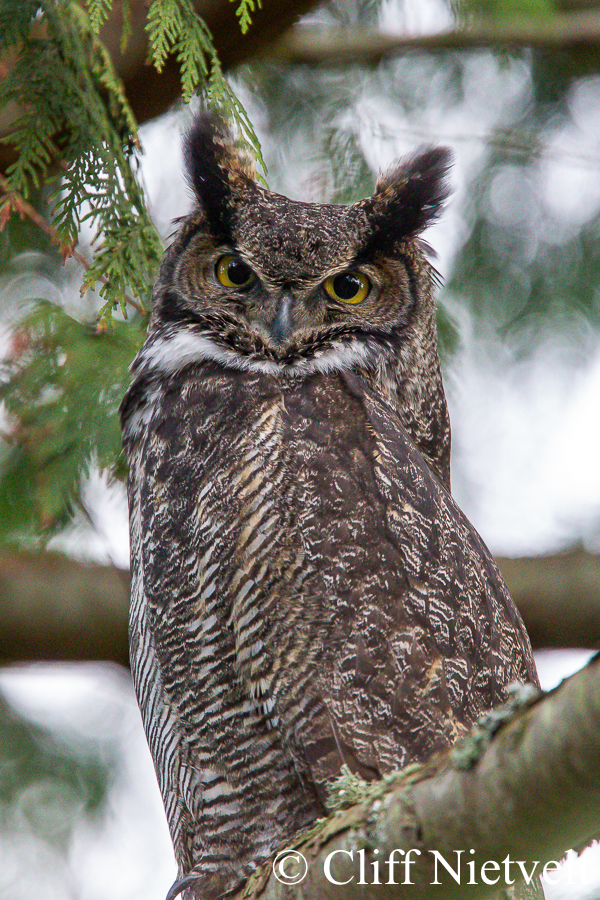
237, 456
262, 502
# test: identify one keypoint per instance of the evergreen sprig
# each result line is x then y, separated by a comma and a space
61, 388
74, 110
98, 12
245, 11
175, 28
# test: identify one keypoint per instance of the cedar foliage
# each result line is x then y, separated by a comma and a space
78, 158
65, 384
76, 132
74, 110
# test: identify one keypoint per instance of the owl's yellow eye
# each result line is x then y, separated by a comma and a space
348, 287
233, 272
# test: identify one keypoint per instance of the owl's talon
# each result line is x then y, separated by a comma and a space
180, 885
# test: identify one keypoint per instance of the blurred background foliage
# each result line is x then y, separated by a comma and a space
519, 251
45, 788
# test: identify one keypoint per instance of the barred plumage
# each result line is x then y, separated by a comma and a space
306, 593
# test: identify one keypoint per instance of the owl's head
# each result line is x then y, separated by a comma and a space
259, 282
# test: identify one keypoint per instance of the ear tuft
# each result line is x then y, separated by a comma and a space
410, 196
217, 172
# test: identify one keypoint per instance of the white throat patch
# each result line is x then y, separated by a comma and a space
174, 352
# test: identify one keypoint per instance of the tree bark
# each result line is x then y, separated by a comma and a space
55, 608
526, 789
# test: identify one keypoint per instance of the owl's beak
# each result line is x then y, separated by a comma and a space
281, 326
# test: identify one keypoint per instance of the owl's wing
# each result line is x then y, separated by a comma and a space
162, 724
424, 636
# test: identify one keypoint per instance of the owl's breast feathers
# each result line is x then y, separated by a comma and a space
310, 575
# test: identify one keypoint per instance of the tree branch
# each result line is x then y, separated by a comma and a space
558, 597
565, 31
58, 609
528, 790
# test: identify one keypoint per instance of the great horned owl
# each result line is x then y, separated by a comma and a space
306, 593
